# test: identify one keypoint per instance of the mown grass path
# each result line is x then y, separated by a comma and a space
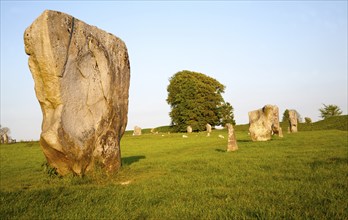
166, 176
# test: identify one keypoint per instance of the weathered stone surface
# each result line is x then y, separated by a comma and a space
4, 139
293, 121
208, 127
81, 76
264, 122
232, 141
276, 129
137, 131
189, 129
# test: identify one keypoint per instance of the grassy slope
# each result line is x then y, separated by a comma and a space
165, 176
333, 123
337, 122
303, 175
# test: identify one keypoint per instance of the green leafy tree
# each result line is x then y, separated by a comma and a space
299, 117
226, 114
308, 120
4, 130
286, 116
329, 110
195, 99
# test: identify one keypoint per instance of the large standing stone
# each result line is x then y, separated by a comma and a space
81, 76
293, 121
137, 131
263, 122
232, 141
208, 127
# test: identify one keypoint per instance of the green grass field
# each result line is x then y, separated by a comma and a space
164, 176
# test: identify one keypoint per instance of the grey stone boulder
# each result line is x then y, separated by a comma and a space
232, 141
208, 128
264, 122
137, 131
82, 77
189, 129
293, 121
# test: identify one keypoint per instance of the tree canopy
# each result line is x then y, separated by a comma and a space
286, 116
308, 120
4, 130
329, 110
195, 99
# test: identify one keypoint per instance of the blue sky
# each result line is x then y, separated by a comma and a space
289, 53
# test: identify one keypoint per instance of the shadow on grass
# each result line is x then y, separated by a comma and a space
132, 159
220, 150
244, 141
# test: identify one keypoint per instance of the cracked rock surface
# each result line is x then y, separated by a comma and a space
232, 141
264, 122
293, 121
81, 76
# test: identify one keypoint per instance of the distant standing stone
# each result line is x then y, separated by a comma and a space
280, 132
293, 121
137, 131
232, 141
5, 138
208, 127
82, 77
189, 129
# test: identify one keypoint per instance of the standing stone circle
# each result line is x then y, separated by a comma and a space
293, 121
82, 77
137, 131
232, 141
264, 122
189, 129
